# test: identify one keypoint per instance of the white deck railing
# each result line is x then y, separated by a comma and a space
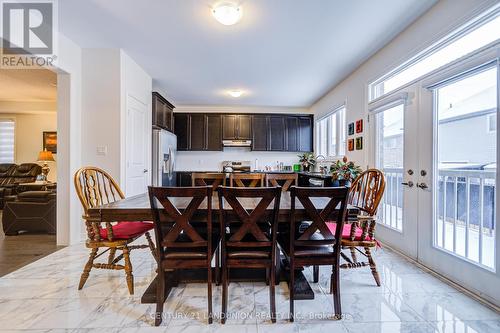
465, 213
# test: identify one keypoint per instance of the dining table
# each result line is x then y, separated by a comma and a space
137, 208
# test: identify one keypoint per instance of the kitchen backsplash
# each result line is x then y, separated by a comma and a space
211, 160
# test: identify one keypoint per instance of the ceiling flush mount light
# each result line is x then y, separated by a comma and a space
227, 13
235, 93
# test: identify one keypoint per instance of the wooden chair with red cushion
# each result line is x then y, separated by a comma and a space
95, 187
365, 194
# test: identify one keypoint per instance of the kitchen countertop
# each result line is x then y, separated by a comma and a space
304, 173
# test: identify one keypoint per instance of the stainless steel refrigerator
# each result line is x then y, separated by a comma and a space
164, 152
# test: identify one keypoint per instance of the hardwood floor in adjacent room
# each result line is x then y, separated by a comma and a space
21, 250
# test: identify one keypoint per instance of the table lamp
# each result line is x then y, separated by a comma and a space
45, 156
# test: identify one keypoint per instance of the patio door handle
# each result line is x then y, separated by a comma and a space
423, 186
409, 183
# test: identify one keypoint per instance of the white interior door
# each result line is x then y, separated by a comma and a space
392, 122
457, 191
138, 138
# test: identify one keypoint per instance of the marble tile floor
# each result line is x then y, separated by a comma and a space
43, 297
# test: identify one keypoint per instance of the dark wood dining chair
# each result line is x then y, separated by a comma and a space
95, 187
249, 245
359, 233
316, 245
179, 244
285, 180
208, 178
246, 180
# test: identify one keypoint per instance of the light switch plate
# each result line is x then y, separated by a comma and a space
102, 150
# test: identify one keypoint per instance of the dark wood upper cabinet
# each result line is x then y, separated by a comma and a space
305, 137
214, 132
229, 127
237, 127
198, 128
244, 127
182, 130
291, 137
276, 133
163, 112
260, 133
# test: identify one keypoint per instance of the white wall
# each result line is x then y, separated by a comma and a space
70, 228
101, 109
28, 137
441, 19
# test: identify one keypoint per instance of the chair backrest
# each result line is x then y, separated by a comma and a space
246, 180
367, 190
95, 187
204, 179
26, 173
173, 224
286, 180
247, 232
334, 203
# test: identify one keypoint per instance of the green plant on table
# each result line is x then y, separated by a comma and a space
307, 160
345, 170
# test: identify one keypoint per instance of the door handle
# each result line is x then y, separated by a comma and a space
409, 183
423, 186
145, 170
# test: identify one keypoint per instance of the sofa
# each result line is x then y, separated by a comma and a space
11, 175
30, 211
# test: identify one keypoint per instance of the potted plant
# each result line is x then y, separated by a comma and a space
307, 160
344, 172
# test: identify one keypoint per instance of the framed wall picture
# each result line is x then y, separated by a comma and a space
350, 129
359, 143
350, 143
359, 126
50, 141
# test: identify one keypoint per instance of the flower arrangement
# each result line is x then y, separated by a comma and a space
307, 160
344, 170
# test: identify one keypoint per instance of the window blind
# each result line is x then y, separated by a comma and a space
7, 141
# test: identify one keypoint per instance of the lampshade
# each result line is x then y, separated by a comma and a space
45, 156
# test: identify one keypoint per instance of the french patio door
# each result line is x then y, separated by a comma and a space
392, 123
457, 186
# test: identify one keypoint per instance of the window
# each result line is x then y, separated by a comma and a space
492, 123
331, 134
465, 40
7, 141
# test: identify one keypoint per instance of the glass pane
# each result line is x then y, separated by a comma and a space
466, 184
389, 158
342, 134
333, 135
475, 39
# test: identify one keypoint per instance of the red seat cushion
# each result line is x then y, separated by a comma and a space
126, 230
346, 231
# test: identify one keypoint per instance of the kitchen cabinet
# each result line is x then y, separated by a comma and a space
259, 137
182, 130
184, 179
292, 124
305, 134
276, 133
236, 127
214, 132
268, 132
163, 112
198, 131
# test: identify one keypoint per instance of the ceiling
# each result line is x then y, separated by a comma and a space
282, 52
27, 85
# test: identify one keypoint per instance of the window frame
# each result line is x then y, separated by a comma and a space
373, 87
14, 120
340, 133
